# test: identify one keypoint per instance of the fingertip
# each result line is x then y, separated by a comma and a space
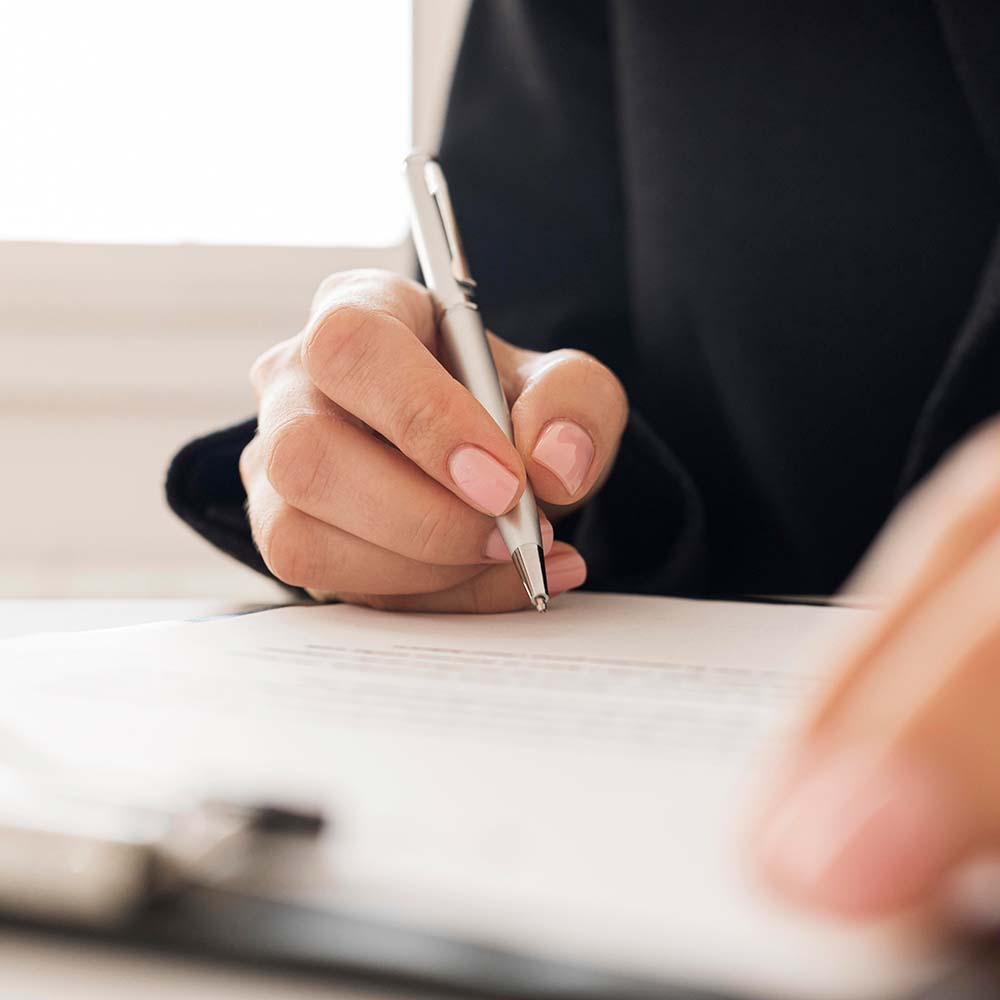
565, 569
859, 838
565, 449
483, 481
568, 420
548, 533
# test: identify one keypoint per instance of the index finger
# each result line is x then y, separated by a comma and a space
927, 543
369, 349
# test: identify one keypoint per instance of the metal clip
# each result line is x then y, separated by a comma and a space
96, 863
438, 189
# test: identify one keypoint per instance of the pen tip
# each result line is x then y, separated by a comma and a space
541, 604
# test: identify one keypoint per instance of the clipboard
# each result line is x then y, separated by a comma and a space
187, 903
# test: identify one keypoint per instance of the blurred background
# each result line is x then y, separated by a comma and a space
176, 179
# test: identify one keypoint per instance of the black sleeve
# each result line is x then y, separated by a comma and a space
530, 149
204, 489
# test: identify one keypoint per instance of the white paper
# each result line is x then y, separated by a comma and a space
569, 784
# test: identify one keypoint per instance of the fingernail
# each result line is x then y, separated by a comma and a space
482, 479
565, 571
497, 550
566, 450
861, 838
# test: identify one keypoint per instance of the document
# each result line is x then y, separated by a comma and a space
572, 785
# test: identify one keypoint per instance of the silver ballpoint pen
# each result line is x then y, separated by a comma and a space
466, 351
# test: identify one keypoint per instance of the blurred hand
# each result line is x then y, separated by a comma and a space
375, 476
896, 780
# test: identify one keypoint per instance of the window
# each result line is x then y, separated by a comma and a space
250, 122
175, 180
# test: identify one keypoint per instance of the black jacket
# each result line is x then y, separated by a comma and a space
777, 222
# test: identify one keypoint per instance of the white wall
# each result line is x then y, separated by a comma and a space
112, 357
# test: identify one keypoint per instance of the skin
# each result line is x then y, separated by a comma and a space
894, 781
350, 485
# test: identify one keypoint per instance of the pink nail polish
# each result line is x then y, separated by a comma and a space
497, 550
862, 838
566, 450
565, 571
482, 479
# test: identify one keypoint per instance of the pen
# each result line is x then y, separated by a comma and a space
466, 351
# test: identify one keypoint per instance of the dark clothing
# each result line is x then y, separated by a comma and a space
777, 222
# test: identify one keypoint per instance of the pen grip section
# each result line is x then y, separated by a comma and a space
466, 354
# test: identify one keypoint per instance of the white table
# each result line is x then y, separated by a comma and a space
22, 617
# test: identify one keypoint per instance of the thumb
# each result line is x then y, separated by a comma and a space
568, 412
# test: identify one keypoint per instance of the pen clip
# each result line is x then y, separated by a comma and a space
437, 187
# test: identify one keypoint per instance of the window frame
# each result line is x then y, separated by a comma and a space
125, 289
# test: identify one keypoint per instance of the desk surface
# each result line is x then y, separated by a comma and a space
24, 616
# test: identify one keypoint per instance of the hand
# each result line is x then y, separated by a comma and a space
896, 779
375, 476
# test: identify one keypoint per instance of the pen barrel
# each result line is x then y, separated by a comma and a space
467, 355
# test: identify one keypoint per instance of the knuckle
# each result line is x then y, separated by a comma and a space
279, 541
294, 454
417, 421
290, 551
377, 288
353, 278
339, 283
260, 370
430, 536
332, 281
338, 342
267, 365
248, 464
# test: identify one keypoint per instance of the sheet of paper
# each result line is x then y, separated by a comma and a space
569, 784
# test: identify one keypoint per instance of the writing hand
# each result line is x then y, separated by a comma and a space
375, 476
